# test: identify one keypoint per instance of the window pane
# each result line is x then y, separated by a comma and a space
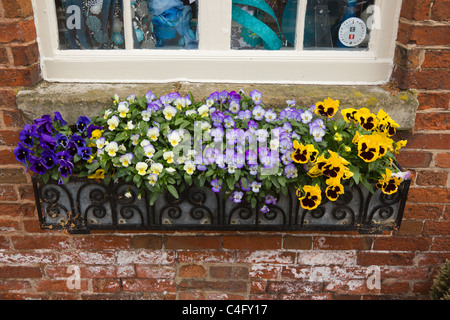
338, 24
170, 24
263, 24
90, 24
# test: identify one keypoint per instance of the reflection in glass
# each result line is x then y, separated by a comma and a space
90, 24
338, 24
263, 24
165, 24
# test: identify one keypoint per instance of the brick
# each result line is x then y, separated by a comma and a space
265, 256
426, 79
13, 118
402, 243
208, 285
15, 257
59, 285
441, 228
7, 192
206, 256
229, 272
188, 242
87, 257
106, 285
251, 242
436, 59
432, 178
385, 259
26, 77
410, 227
188, 295
422, 288
148, 285
266, 271
4, 243
297, 242
9, 137
432, 121
441, 10
8, 97
225, 296
294, 286
7, 157
9, 225
17, 209
26, 192
341, 243
100, 242
155, 271
25, 55
192, 271
428, 195
4, 59
21, 31
17, 8
258, 286
40, 242
425, 140
443, 160
324, 258
14, 285
296, 272
20, 272
414, 159
395, 287
416, 10
428, 35
143, 256
408, 58
432, 259
433, 100
147, 242
441, 244
403, 273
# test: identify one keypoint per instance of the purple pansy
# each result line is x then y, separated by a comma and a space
65, 168
58, 117
215, 186
82, 123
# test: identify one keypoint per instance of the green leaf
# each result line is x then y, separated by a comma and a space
153, 198
173, 191
356, 173
367, 185
92, 167
244, 183
230, 183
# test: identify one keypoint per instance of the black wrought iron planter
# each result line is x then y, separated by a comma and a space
83, 205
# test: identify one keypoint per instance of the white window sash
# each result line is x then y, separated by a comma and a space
214, 61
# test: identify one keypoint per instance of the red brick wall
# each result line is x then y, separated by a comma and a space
229, 265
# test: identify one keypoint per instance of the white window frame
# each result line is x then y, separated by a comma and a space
215, 61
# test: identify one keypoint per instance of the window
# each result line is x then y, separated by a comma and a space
247, 41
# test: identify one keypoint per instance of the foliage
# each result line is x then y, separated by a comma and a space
230, 142
441, 284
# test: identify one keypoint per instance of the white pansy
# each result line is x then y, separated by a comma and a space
152, 179
107, 113
203, 111
156, 168
170, 170
190, 112
111, 148
101, 142
153, 133
174, 138
126, 159
169, 112
181, 160
146, 115
113, 123
149, 151
189, 167
130, 125
168, 156
144, 143
141, 168
123, 109
134, 139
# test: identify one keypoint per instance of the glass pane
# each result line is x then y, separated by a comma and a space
263, 24
90, 24
338, 24
170, 24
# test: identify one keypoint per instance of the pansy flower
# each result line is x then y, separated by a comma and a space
237, 196
310, 198
48, 159
62, 140
82, 123
99, 174
304, 154
215, 186
389, 182
366, 119
27, 135
349, 114
44, 124
84, 153
65, 168
58, 118
256, 96
47, 142
334, 189
21, 153
386, 124
37, 166
327, 108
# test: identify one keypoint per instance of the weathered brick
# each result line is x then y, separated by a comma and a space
208, 285
402, 243
342, 243
441, 10
433, 100
297, 242
192, 271
441, 244
414, 159
436, 59
433, 227
385, 259
265, 256
13, 118
147, 242
25, 55
7, 192
17, 209
41, 242
21, 31
148, 285
101, 242
155, 271
432, 178
17, 8
188, 242
428, 195
294, 286
252, 242
20, 272
229, 272
23, 77
416, 10
410, 227
443, 160
425, 140
432, 121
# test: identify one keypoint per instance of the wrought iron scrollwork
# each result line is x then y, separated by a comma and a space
119, 206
